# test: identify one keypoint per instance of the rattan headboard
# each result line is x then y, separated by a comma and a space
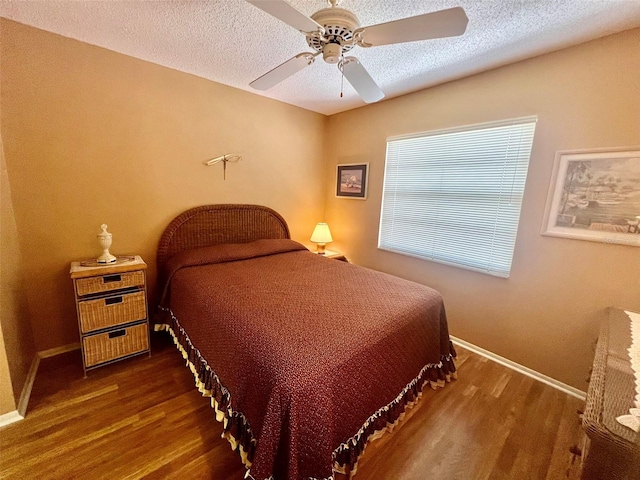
215, 224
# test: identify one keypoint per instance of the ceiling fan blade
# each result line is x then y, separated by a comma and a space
288, 14
444, 23
283, 71
360, 80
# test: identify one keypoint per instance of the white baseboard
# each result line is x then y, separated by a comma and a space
552, 382
9, 418
52, 352
20, 413
28, 386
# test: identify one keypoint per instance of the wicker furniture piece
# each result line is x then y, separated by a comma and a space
613, 450
216, 224
111, 304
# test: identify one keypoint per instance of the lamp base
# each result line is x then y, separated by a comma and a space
320, 249
106, 258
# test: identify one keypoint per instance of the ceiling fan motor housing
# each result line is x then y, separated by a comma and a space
339, 25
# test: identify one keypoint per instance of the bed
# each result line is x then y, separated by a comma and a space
305, 358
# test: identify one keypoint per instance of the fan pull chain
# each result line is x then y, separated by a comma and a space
342, 72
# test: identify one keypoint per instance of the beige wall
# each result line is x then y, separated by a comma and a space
92, 136
7, 399
545, 315
17, 348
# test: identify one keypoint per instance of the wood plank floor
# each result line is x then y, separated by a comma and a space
143, 418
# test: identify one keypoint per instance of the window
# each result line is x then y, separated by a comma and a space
454, 196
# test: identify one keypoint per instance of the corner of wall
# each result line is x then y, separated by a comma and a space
17, 346
326, 152
7, 397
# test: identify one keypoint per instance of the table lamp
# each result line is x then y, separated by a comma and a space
321, 235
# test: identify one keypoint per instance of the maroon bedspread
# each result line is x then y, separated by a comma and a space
307, 356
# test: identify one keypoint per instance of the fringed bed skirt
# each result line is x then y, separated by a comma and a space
236, 428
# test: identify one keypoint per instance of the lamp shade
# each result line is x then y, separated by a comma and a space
321, 234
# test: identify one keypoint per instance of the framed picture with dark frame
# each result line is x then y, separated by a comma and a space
351, 180
595, 195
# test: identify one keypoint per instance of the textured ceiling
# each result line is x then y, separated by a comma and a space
232, 42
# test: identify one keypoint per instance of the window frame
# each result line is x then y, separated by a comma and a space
528, 124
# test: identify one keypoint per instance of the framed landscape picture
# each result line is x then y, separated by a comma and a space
595, 195
351, 180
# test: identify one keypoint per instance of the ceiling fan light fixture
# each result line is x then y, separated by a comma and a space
331, 53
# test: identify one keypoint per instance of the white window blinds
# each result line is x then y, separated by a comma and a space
454, 196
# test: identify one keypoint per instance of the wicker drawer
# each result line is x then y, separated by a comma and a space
112, 311
108, 346
106, 283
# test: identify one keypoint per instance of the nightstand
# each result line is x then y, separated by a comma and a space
111, 305
333, 254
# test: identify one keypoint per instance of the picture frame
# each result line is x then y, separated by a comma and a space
352, 180
594, 195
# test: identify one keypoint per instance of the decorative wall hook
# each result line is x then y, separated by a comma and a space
230, 157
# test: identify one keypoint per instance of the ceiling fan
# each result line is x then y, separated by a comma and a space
334, 31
